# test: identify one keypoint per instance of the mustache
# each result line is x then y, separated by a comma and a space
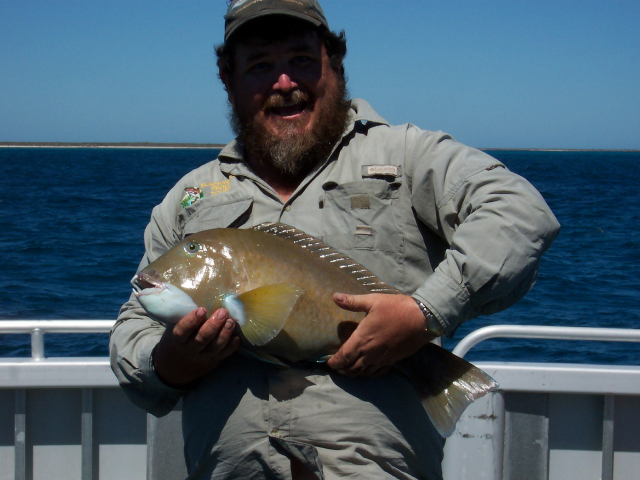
278, 100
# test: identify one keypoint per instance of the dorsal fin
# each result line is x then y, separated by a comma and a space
329, 254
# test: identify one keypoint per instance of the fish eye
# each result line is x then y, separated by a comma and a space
192, 247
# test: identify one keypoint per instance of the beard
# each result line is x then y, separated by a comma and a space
293, 153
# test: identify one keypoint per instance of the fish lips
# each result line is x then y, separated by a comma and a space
163, 301
144, 284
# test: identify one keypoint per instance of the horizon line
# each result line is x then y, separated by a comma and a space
221, 145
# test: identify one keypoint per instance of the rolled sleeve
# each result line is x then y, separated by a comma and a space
496, 224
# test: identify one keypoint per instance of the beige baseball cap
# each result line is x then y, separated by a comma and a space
242, 11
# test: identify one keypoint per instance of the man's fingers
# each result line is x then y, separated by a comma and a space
224, 335
360, 368
211, 329
353, 303
350, 350
188, 326
347, 354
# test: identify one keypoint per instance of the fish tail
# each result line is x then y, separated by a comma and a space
446, 384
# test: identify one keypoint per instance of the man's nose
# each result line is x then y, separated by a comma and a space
284, 83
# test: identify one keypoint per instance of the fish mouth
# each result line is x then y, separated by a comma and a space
145, 284
161, 300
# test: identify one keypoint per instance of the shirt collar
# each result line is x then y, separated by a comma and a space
362, 112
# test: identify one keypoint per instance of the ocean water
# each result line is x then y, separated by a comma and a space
72, 219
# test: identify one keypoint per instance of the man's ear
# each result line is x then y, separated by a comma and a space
227, 86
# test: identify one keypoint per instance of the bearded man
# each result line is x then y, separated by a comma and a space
448, 225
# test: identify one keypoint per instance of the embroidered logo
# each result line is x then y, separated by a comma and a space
191, 196
217, 187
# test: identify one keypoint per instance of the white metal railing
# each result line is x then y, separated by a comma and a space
56, 326
545, 332
37, 329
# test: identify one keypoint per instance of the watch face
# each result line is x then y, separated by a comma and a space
432, 323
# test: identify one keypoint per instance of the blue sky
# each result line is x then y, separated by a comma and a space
508, 74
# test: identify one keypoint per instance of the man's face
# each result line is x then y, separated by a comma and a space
286, 98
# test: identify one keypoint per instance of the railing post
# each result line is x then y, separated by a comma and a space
37, 344
607, 438
20, 421
87, 434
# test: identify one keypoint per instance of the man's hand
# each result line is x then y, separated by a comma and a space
194, 346
393, 329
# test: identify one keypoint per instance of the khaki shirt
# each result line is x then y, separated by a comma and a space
445, 223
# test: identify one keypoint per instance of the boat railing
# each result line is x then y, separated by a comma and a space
37, 329
66, 417
551, 420
545, 332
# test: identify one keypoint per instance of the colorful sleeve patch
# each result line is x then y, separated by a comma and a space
191, 196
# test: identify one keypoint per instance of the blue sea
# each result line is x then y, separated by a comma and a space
72, 219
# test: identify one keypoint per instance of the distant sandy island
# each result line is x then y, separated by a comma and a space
561, 149
220, 145
110, 145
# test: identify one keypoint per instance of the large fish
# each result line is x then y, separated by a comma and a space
277, 283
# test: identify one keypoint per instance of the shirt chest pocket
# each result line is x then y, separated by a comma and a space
220, 211
359, 220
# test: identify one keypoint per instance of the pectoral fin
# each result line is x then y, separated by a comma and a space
266, 310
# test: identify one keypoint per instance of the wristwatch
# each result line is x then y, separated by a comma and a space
433, 325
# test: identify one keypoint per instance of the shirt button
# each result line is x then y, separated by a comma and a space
288, 208
276, 433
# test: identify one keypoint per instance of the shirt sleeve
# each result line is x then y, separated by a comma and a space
495, 223
135, 334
